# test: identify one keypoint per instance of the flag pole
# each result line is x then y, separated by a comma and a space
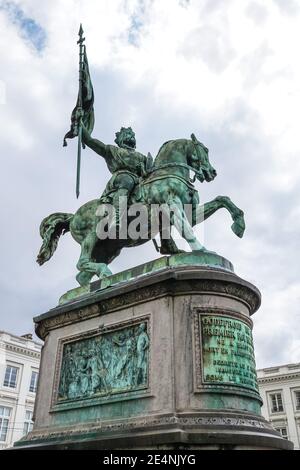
81, 54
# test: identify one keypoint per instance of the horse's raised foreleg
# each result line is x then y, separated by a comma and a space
87, 267
223, 202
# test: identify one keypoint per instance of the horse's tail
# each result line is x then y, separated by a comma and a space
51, 228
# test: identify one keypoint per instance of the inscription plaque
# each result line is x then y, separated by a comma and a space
227, 352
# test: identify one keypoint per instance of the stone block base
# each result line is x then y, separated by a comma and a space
161, 361
218, 431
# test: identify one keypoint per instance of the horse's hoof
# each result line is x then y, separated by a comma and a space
166, 251
202, 250
83, 278
169, 247
238, 228
103, 271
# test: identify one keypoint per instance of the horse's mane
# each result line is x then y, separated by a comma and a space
164, 144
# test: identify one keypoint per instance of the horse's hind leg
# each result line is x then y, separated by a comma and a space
87, 267
168, 245
183, 226
84, 278
85, 275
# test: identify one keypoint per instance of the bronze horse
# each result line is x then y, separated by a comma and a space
168, 185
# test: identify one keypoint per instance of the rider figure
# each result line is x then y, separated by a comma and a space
124, 162
127, 167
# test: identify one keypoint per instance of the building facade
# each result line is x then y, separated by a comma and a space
19, 368
280, 391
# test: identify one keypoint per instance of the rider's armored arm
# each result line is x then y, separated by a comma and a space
96, 145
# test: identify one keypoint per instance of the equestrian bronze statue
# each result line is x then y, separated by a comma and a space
160, 188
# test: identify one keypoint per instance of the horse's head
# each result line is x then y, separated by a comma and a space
199, 160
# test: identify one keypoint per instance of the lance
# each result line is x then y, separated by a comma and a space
81, 54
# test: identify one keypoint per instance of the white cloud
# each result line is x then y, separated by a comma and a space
228, 71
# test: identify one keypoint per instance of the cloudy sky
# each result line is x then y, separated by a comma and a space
229, 71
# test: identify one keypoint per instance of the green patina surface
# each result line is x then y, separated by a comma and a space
113, 366
105, 364
227, 352
74, 293
207, 259
109, 411
232, 401
161, 189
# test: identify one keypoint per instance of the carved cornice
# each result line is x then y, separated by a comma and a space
279, 378
24, 351
8, 397
207, 421
73, 316
170, 282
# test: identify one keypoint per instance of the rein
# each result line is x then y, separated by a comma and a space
198, 173
163, 177
182, 165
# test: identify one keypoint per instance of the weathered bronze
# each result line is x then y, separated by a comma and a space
84, 109
105, 363
228, 353
159, 356
161, 189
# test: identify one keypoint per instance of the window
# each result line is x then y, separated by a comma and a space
297, 399
10, 379
276, 402
283, 432
28, 423
33, 381
4, 420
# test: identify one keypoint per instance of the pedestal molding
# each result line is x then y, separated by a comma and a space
170, 282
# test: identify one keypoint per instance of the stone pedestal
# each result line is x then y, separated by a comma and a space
161, 361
